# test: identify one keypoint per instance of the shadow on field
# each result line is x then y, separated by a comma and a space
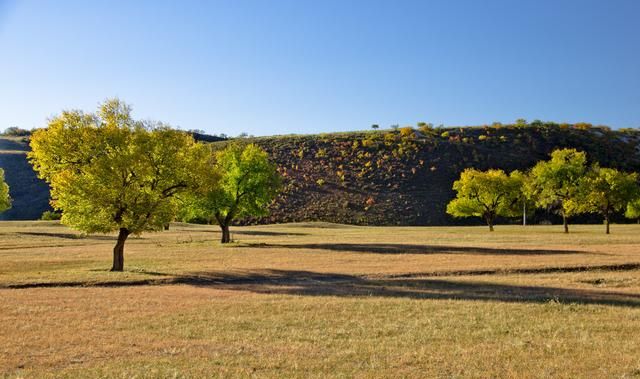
267, 233
385, 248
70, 236
307, 283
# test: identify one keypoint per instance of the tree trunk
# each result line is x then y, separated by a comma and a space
606, 222
565, 223
166, 226
118, 250
490, 223
226, 236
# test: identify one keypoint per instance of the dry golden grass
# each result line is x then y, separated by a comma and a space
318, 300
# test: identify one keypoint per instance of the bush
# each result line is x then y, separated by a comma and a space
201, 220
521, 123
50, 215
368, 143
389, 139
582, 126
407, 132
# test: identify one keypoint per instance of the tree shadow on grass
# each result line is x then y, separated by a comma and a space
69, 236
266, 233
307, 283
387, 248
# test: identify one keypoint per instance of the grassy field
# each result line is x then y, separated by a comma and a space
322, 300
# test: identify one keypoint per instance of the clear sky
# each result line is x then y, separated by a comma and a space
308, 66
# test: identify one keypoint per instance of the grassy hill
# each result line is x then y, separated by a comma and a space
387, 177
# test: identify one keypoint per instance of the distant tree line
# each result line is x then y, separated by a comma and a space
14, 131
564, 184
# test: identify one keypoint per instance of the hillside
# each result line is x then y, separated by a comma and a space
389, 177
404, 177
30, 195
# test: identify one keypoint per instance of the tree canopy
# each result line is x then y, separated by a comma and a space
556, 183
5, 198
247, 184
486, 194
109, 172
633, 209
607, 190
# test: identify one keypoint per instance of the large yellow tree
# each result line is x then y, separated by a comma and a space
111, 173
556, 183
607, 191
486, 194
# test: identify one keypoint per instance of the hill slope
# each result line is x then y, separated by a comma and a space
400, 177
30, 195
404, 177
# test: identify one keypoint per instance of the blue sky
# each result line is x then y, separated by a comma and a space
305, 66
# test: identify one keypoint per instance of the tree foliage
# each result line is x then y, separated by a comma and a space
633, 209
5, 198
607, 190
248, 183
556, 183
486, 194
109, 172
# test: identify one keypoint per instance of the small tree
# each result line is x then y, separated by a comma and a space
486, 194
248, 183
5, 198
633, 209
555, 183
108, 172
608, 190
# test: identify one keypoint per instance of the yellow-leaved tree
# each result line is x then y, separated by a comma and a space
556, 183
111, 173
487, 194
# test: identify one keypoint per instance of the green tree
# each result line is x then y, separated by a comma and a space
486, 194
248, 183
5, 198
633, 209
607, 190
109, 172
555, 183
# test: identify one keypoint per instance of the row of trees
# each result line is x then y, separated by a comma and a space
109, 172
565, 184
